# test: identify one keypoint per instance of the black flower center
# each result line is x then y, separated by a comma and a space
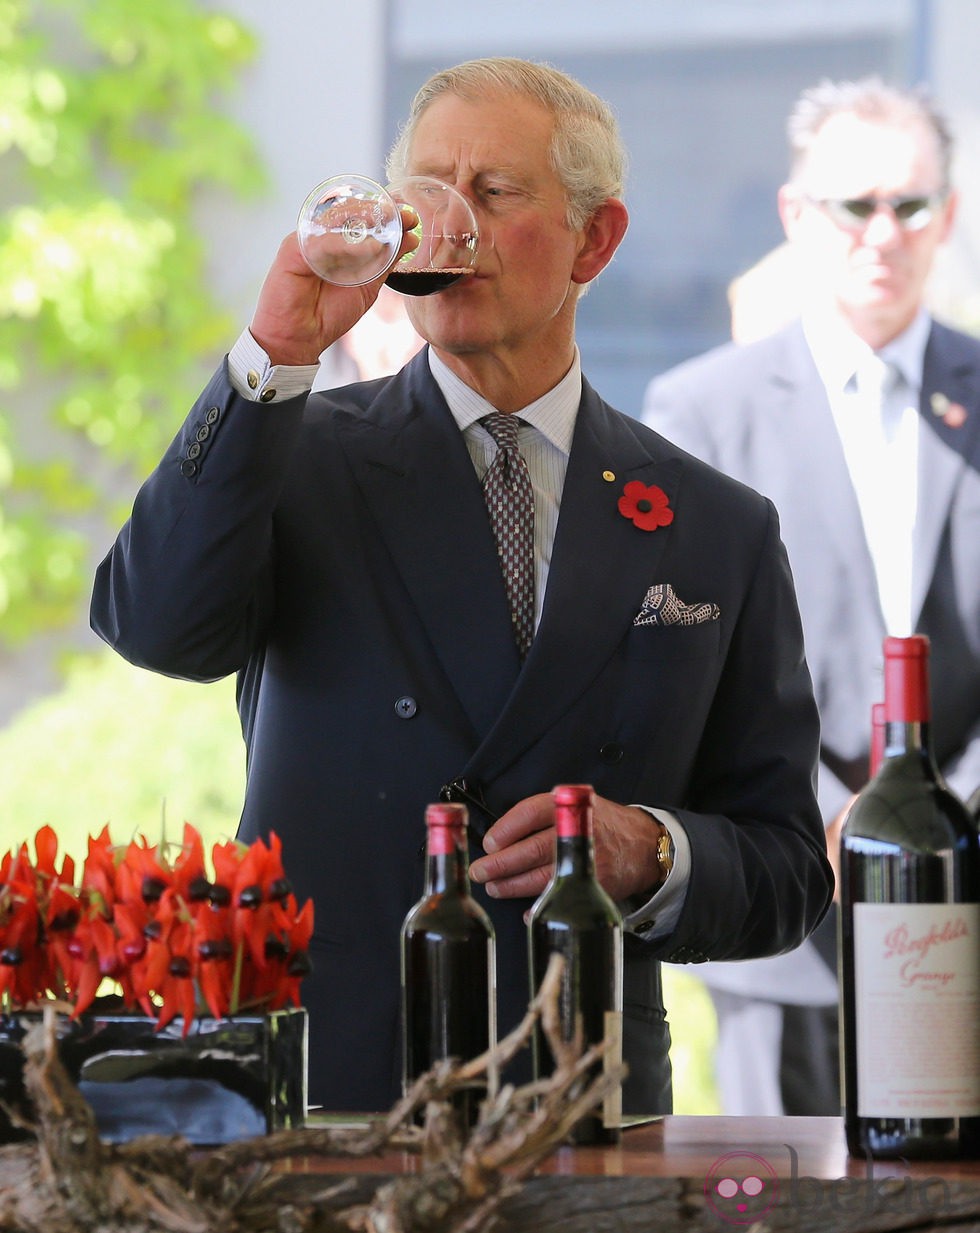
644, 506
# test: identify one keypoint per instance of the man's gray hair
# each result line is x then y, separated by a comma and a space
587, 152
870, 98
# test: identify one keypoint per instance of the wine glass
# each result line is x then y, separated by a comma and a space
350, 232
447, 233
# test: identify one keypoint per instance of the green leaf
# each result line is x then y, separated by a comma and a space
110, 128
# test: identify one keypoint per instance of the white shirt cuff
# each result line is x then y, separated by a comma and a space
255, 378
658, 917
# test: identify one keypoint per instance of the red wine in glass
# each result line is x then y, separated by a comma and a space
424, 282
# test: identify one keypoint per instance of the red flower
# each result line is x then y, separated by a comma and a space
21, 960
170, 940
38, 908
646, 507
174, 986
92, 947
214, 957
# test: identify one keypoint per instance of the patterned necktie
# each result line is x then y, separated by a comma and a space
510, 502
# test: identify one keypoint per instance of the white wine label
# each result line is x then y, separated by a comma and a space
612, 1105
917, 1008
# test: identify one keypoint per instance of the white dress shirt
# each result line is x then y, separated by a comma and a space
880, 438
545, 440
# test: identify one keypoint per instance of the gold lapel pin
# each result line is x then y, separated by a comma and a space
609, 476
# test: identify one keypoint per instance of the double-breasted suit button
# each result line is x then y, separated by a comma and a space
612, 753
406, 707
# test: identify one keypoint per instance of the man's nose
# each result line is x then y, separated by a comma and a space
883, 228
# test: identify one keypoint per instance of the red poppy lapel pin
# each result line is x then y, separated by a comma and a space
646, 506
952, 414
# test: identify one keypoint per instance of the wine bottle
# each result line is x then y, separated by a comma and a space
447, 962
577, 919
910, 942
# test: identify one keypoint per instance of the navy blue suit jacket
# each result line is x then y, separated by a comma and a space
335, 552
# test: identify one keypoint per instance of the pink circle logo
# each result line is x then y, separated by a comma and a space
741, 1187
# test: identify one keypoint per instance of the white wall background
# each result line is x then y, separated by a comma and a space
313, 102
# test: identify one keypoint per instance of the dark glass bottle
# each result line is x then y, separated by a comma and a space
575, 917
447, 961
910, 942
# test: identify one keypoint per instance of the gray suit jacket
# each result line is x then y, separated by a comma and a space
760, 413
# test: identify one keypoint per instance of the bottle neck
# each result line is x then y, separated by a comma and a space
574, 847
906, 707
907, 738
574, 856
447, 863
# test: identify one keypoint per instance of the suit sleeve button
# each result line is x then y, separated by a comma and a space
612, 753
188, 467
406, 707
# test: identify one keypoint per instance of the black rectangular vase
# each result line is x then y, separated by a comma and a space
227, 1079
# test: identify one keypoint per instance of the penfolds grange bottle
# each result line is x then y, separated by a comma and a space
910, 942
447, 962
575, 917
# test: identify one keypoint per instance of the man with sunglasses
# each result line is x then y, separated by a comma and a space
878, 497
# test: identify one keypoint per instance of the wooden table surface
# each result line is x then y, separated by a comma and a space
690, 1147
686, 1174
804, 1146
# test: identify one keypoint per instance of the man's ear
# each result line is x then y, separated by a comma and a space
789, 205
601, 236
950, 210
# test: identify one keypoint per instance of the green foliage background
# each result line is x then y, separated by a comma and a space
122, 747
110, 132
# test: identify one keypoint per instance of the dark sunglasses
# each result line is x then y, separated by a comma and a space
854, 213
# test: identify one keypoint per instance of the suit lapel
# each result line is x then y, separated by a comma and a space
949, 372
600, 568
412, 466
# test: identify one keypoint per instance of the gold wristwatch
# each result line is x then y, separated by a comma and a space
665, 853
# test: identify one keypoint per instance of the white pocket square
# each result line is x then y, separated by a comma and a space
662, 606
